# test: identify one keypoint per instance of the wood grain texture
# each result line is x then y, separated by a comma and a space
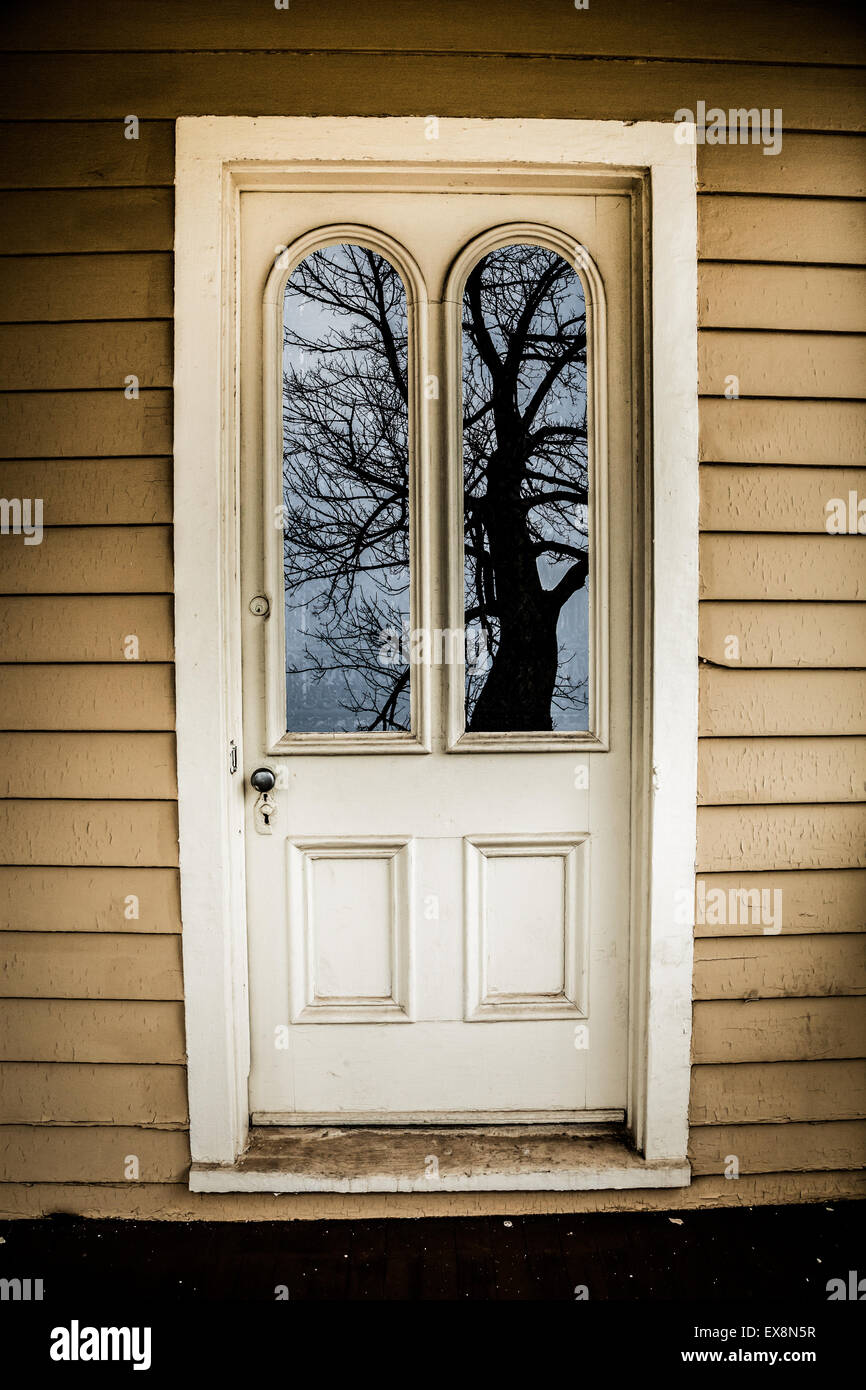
787, 500
778, 1030
86, 628
85, 154
90, 900
489, 26
89, 86
98, 765
91, 1153
781, 229
85, 559
827, 434
782, 634
778, 1148
84, 1030
776, 1092
802, 365
91, 965
58, 1093
740, 838
752, 771
114, 286
747, 566
135, 696
818, 298
809, 165
780, 967
93, 492
812, 901
140, 834
85, 424
76, 356
91, 219
760, 703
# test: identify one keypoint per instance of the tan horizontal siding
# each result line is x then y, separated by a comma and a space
813, 900
810, 165
48, 289
778, 1030
764, 566
85, 424
781, 229
491, 26
92, 492
84, 1030
47, 899
83, 559
778, 1148
82, 765
774, 1092
783, 634
820, 365
818, 298
85, 965
788, 500
827, 434
86, 154
86, 627
91, 833
71, 356
59, 1093
91, 219
755, 703
738, 771
778, 967
135, 696
91, 1153
781, 837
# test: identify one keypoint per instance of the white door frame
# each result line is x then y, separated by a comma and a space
218, 157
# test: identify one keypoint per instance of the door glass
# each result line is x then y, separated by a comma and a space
346, 497
525, 493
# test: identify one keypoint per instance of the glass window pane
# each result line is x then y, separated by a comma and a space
346, 494
526, 494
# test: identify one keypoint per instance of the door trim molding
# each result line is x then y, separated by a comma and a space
217, 157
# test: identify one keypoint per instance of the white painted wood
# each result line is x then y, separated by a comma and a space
217, 157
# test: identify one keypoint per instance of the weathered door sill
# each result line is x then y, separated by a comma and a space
504, 1158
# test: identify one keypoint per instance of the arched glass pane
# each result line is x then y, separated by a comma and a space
346, 494
526, 493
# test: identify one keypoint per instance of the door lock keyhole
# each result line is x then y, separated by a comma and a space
263, 781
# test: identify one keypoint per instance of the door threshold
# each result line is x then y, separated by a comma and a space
447, 1119
438, 1158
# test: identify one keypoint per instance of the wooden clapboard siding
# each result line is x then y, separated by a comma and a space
776, 967
760, 703
55, 899
135, 696
52, 289
85, 1030
738, 771
813, 900
819, 298
94, 1044
734, 838
775, 1092
84, 965
787, 500
58, 1093
100, 765
744, 566
73, 356
783, 634
86, 627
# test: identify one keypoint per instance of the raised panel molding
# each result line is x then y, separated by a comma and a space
501, 923
373, 897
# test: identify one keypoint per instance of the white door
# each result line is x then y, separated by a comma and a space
437, 434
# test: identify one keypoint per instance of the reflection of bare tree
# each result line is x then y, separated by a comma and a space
345, 419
